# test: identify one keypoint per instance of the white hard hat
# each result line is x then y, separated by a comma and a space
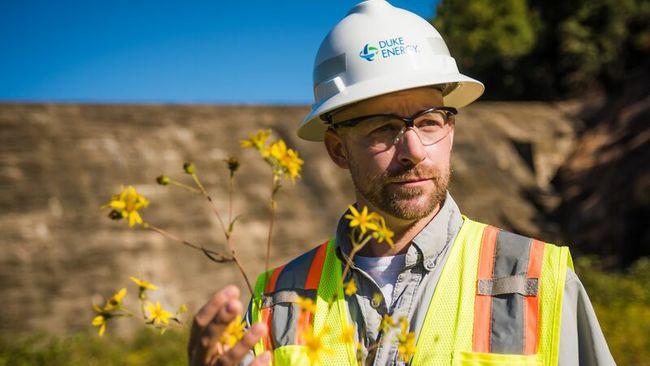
378, 49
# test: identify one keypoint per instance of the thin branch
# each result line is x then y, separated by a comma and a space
355, 249
214, 207
231, 246
219, 257
230, 189
275, 188
184, 186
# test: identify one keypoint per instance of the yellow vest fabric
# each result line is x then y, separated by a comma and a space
446, 334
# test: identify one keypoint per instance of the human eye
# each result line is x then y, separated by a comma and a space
433, 120
382, 126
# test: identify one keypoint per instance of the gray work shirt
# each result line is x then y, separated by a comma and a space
581, 340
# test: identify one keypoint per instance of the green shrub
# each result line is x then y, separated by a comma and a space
621, 301
146, 347
622, 304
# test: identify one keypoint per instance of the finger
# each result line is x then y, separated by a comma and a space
262, 360
216, 303
205, 315
211, 334
227, 313
239, 351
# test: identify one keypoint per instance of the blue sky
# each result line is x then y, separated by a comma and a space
162, 51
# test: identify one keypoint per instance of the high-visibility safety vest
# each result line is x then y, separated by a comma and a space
498, 302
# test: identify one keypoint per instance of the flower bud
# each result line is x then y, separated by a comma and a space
233, 164
189, 168
163, 180
115, 215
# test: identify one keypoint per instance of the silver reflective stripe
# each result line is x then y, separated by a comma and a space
329, 68
438, 46
286, 296
508, 285
507, 326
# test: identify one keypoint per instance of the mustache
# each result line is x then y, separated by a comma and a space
410, 174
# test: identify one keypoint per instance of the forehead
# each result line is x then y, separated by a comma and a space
405, 102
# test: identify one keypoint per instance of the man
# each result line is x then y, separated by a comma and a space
386, 93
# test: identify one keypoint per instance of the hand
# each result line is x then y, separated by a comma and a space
210, 322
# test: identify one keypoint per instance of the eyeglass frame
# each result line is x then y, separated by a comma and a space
409, 122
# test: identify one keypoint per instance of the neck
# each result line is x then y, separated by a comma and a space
405, 231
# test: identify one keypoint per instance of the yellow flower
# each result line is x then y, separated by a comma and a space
387, 322
405, 341
277, 149
100, 321
377, 298
383, 233
347, 334
127, 203
351, 288
182, 309
315, 344
233, 333
406, 346
292, 163
157, 314
285, 161
115, 301
257, 140
363, 220
306, 304
144, 285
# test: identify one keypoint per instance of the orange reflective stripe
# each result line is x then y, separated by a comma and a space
304, 321
316, 268
266, 319
531, 303
312, 282
267, 314
270, 285
483, 303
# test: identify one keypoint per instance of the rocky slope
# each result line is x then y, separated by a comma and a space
60, 163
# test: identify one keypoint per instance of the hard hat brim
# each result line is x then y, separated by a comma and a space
466, 91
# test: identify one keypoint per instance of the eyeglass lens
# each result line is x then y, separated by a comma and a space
430, 128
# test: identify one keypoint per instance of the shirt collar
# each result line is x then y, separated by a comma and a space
428, 244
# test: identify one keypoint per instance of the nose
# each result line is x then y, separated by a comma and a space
410, 150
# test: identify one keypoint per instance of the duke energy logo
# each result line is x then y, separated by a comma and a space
388, 48
368, 52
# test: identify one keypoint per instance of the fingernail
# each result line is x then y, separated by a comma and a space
230, 291
265, 357
231, 307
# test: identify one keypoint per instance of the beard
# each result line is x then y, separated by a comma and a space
398, 201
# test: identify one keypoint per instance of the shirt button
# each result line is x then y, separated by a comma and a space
429, 264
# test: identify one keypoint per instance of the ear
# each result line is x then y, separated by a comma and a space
336, 149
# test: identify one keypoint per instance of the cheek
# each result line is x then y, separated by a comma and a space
365, 161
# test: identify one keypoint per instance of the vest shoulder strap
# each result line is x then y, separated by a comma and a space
505, 292
298, 278
506, 305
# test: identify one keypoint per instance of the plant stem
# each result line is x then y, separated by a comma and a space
231, 246
356, 247
230, 189
221, 256
214, 208
144, 313
243, 272
275, 188
184, 186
